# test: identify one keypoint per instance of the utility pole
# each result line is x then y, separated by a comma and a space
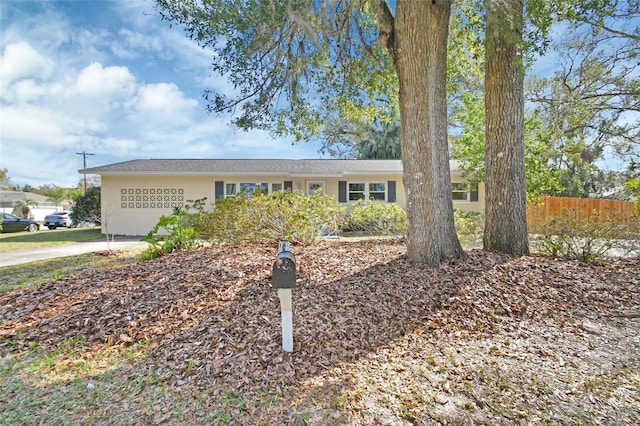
84, 159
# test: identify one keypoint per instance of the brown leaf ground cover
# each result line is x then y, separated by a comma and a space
377, 339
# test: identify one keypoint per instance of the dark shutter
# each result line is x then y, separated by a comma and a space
474, 192
219, 189
288, 185
342, 191
391, 191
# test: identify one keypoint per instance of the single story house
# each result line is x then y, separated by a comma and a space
136, 193
39, 205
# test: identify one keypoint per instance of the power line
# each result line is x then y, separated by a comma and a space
84, 159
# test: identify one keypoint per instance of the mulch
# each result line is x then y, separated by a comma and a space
212, 321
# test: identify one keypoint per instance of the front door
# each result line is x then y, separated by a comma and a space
314, 186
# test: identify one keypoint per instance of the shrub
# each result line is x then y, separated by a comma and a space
469, 227
375, 218
280, 216
171, 233
586, 239
86, 207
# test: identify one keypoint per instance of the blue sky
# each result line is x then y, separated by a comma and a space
108, 77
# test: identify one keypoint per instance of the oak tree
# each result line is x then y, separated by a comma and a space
296, 65
506, 198
591, 104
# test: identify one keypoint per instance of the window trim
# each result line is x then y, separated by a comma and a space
237, 185
366, 191
469, 188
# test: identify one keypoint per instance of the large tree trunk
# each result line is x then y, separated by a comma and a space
506, 196
419, 42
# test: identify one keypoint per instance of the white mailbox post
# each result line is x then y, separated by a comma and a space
286, 313
283, 278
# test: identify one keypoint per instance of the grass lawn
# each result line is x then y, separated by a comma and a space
45, 238
36, 273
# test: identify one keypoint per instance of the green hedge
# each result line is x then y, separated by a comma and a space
280, 216
375, 218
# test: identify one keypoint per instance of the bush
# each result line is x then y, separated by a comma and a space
280, 216
375, 218
469, 227
171, 233
586, 239
86, 207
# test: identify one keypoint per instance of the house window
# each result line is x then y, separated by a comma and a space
366, 191
314, 186
356, 191
460, 192
231, 190
464, 191
250, 188
377, 191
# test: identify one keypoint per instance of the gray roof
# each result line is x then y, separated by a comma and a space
318, 167
9, 198
13, 196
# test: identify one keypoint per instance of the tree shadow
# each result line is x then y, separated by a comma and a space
212, 322
348, 304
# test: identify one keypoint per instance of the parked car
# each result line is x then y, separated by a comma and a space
13, 223
58, 219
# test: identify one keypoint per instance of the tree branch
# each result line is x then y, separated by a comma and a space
386, 24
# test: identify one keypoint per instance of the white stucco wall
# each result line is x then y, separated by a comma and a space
128, 209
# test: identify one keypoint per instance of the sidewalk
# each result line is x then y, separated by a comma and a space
26, 256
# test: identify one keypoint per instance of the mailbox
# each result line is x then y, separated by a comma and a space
284, 279
284, 270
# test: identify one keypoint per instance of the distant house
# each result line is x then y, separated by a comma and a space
43, 205
136, 193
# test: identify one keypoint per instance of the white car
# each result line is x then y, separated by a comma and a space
57, 219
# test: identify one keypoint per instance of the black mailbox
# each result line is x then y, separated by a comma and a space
284, 271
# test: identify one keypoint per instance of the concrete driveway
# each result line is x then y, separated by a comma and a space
26, 256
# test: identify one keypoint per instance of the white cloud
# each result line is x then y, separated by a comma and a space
46, 31
160, 108
120, 84
117, 146
20, 60
97, 81
18, 125
134, 44
165, 97
23, 91
46, 127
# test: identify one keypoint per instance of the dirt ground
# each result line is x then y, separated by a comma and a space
377, 339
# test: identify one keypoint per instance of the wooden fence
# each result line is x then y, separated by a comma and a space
623, 213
